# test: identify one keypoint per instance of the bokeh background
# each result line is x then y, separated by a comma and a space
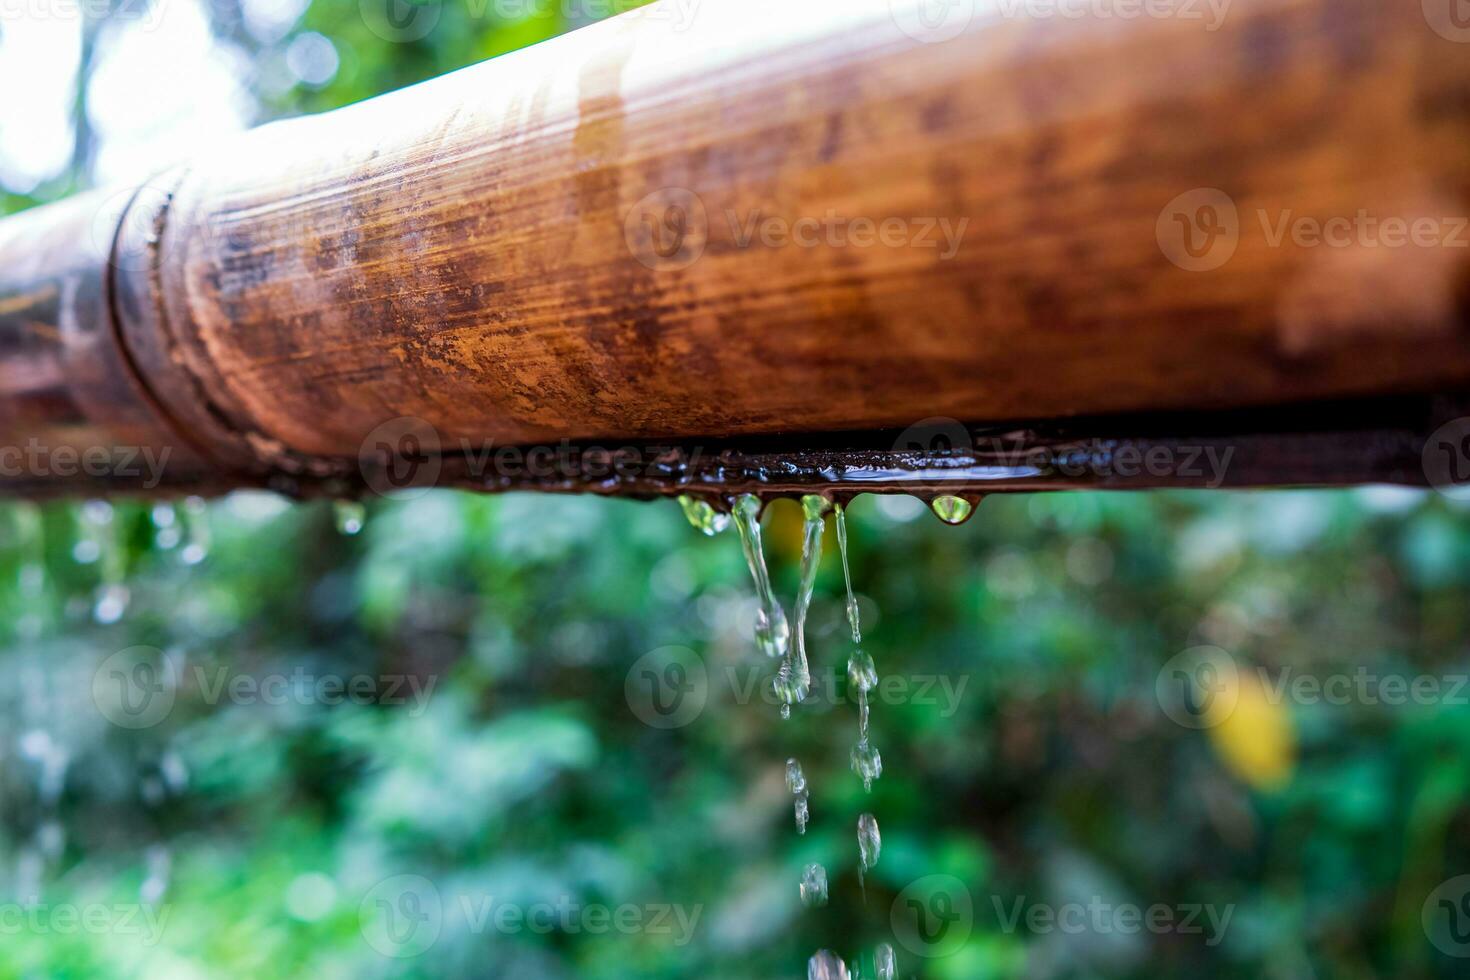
1060, 769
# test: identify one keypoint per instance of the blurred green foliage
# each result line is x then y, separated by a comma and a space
1053, 774
525, 774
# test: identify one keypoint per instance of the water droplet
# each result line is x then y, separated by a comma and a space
867, 762
884, 962
772, 634
852, 606
952, 510
796, 785
350, 515
814, 886
196, 537
869, 841
795, 778
826, 965
862, 674
703, 515
112, 602
794, 679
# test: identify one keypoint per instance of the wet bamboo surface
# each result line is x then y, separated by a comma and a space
725, 222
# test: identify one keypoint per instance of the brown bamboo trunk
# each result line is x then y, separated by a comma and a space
723, 222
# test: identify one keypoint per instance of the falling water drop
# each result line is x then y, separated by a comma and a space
99, 527
772, 634
825, 965
196, 531
852, 606
884, 962
165, 518
862, 677
952, 510
350, 515
869, 843
794, 679
867, 762
703, 515
814, 886
796, 784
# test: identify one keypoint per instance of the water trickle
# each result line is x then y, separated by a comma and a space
852, 606
825, 965
196, 531
862, 677
794, 679
703, 515
869, 843
814, 886
884, 963
772, 635
31, 574
867, 762
168, 531
796, 784
350, 515
103, 546
952, 510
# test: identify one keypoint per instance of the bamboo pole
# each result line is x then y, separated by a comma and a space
723, 222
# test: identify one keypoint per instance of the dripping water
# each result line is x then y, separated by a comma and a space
794, 679
870, 843
884, 963
814, 886
772, 635
703, 515
349, 516
852, 606
796, 784
100, 544
953, 510
826, 966
196, 531
862, 676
